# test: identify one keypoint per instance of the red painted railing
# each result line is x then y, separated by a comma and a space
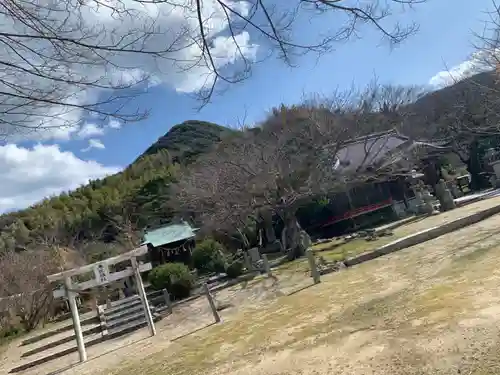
358, 211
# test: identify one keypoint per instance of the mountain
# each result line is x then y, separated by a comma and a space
105, 214
186, 141
471, 102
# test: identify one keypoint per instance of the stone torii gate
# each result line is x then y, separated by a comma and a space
102, 276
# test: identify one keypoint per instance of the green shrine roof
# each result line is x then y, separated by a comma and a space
169, 234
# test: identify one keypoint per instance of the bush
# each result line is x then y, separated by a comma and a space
9, 332
235, 269
175, 277
208, 256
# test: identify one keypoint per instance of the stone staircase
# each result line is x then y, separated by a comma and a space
124, 316
120, 318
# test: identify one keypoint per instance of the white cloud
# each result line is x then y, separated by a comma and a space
183, 68
90, 130
30, 174
478, 62
114, 124
94, 143
224, 52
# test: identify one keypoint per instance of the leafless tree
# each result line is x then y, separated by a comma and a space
464, 115
293, 156
126, 226
374, 108
487, 44
469, 106
23, 284
122, 227
61, 61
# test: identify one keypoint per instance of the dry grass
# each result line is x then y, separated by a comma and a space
430, 309
339, 250
355, 247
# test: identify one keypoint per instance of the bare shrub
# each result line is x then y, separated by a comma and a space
292, 157
24, 288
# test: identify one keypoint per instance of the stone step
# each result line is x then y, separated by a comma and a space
67, 327
123, 313
124, 306
115, 324
122, 301
131, 326
97, 339
63, 340
56, 352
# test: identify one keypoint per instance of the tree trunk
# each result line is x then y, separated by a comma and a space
474, 167
244, 239
290, 236
266, 227
432, 171
475, 176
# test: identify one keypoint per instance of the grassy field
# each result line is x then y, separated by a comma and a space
339, 250
430, 309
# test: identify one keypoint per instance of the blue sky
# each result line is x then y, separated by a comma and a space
444, 40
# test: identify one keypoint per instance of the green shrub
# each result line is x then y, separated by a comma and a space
175, 277
9, 332
208, 256
235, 269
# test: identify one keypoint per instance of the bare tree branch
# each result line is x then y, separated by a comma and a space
296, 154
24, 289
63, 61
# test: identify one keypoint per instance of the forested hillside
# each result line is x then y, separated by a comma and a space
468, 104
108, 213
186, 141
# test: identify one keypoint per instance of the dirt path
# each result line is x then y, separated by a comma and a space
186, 319
430, 309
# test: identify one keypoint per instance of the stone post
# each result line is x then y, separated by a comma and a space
267, 267
314, 268
428, 199
247, 262
70, 294
254, 255
168, 301
211, 303
268, 226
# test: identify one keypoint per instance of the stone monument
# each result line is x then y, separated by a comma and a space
254, 254
455, 191
496, 168
424, 201
445, 197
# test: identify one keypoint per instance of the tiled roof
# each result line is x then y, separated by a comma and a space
369, 150
378, 150
169, 234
